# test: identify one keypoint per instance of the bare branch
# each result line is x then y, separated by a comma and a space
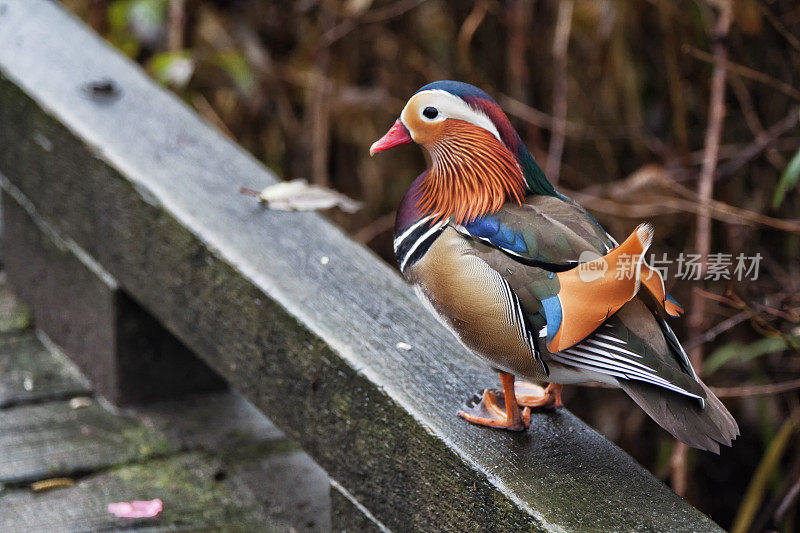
745, 72
705, 186
756, 390
560, 47
175, 25
679, 467
467, 31
676, 88
712, 333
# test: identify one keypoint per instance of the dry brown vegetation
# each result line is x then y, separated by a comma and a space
683, 113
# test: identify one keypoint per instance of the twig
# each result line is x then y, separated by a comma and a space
341, 96
369, 232
734, 215
676, 88
207, 112
467, 31
679, 470
788, 500
717, 298
757, 487
789, 317
97, 15
517, 22
667, 205
736, 150
745, 72
773, 20
705, 186
757, 321
176, 20
753, 122
560, 47
318, 113
679, 467
712, 333
783, 498
377, 15
543, 120
771, 135
756, 390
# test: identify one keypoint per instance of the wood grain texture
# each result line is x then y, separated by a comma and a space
213, 459
53, 440
194, 499
117, 344
30, 373
151, 193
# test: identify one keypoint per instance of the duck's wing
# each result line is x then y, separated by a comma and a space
591, 276
581, 323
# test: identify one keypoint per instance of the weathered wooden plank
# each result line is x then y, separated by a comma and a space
150, 192
53, 439
31, 373
14, 315
288, 487
45, 440
249, 477
193, 495
211, 421
80, 306
347, 515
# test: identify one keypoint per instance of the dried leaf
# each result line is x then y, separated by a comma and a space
299, 195
80, 402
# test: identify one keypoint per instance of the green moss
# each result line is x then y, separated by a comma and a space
14, 315
192, 498
146, 443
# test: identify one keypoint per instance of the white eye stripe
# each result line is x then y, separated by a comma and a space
449, 106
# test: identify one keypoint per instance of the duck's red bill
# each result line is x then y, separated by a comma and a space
397, 135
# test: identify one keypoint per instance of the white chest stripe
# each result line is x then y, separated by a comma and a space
400, 238
418, 242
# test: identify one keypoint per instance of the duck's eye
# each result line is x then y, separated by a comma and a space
430, 113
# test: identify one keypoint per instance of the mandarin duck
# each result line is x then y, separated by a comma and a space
529, 282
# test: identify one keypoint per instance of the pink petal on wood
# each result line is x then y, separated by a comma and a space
136, 509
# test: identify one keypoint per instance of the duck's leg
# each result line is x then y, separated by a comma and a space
490, 412
531, 395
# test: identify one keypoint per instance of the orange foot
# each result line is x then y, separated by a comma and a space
499, 410
530, 395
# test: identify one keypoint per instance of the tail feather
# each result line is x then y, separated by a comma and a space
704, 428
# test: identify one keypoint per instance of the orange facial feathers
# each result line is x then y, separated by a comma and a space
472, 174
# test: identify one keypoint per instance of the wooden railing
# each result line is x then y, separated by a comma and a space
125, 230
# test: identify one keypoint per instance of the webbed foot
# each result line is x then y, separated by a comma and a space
499, 409
532, 395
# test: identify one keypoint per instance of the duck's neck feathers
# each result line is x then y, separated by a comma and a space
472, 174
534, 175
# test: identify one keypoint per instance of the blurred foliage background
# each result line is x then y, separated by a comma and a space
684, 113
